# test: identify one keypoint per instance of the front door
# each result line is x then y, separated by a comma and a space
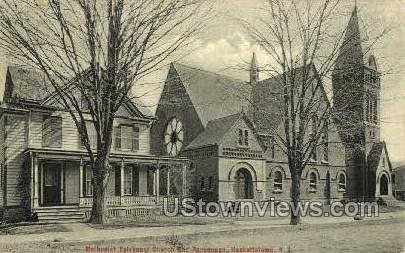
51, 184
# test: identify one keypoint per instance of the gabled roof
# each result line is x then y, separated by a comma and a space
355, 49
374, 156
30, 85
273, 88
26, 83
215, 130
213, 95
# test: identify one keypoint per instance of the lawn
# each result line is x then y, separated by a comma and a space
158, 221
30, 228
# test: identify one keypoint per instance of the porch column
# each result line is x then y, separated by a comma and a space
157, 190
81, 178
168, 181
36, 181
122, 178
154, 183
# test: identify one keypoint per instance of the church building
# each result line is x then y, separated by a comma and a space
207, 118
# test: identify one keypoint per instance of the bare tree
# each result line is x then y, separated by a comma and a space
297, 36
93, 52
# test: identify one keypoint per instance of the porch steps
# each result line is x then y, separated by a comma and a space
60, 214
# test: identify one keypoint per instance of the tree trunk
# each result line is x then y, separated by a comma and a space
295, 218
100, 180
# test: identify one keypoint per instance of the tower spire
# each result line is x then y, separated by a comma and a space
254, 70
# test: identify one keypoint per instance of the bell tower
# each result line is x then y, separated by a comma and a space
356, 96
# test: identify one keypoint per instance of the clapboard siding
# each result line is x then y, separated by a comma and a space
16, 143
70, 136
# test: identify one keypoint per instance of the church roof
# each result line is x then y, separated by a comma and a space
215, 130
373, 157
213, 95
273, 88
356, 48
26, 83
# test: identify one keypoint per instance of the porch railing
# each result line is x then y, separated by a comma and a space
121, 201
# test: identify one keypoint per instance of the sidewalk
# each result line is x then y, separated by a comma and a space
81, 232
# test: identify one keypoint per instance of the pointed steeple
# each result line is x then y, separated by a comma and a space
351, 52
254, 70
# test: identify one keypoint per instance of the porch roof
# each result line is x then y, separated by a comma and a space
77, 155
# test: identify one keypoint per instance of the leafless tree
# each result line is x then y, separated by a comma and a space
94, 52
297, 36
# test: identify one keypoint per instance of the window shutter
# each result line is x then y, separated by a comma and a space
135, 138
117, 131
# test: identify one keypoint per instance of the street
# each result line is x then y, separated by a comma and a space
384, 235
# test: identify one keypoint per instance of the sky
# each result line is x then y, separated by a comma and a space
224, 44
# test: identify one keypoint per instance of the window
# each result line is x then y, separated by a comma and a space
342, 182
128, 180
88, 181
243, 137
202, 186
240, 137
127, 138
325, 145
91, 133
375, 110
383, 162
312, 181
314, 125
278, 181
367, 107
210, 182
52, 132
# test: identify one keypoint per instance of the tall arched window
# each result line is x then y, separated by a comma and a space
312, 181
325, 145
278, 181
314, 126
202, 183
342, 182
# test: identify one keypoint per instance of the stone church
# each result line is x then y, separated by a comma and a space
204, 117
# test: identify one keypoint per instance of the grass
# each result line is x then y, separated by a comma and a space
156, 221
18, 229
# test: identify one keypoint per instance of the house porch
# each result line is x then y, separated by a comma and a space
61, 178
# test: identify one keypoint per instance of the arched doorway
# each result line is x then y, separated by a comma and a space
243, 184
383, 185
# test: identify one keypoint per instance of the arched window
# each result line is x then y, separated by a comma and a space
325, 145
342, 182
314, 126
202, 183
278, 181
210, 182
312, 181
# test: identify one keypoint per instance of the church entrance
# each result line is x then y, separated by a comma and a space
243, 184
383, 185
